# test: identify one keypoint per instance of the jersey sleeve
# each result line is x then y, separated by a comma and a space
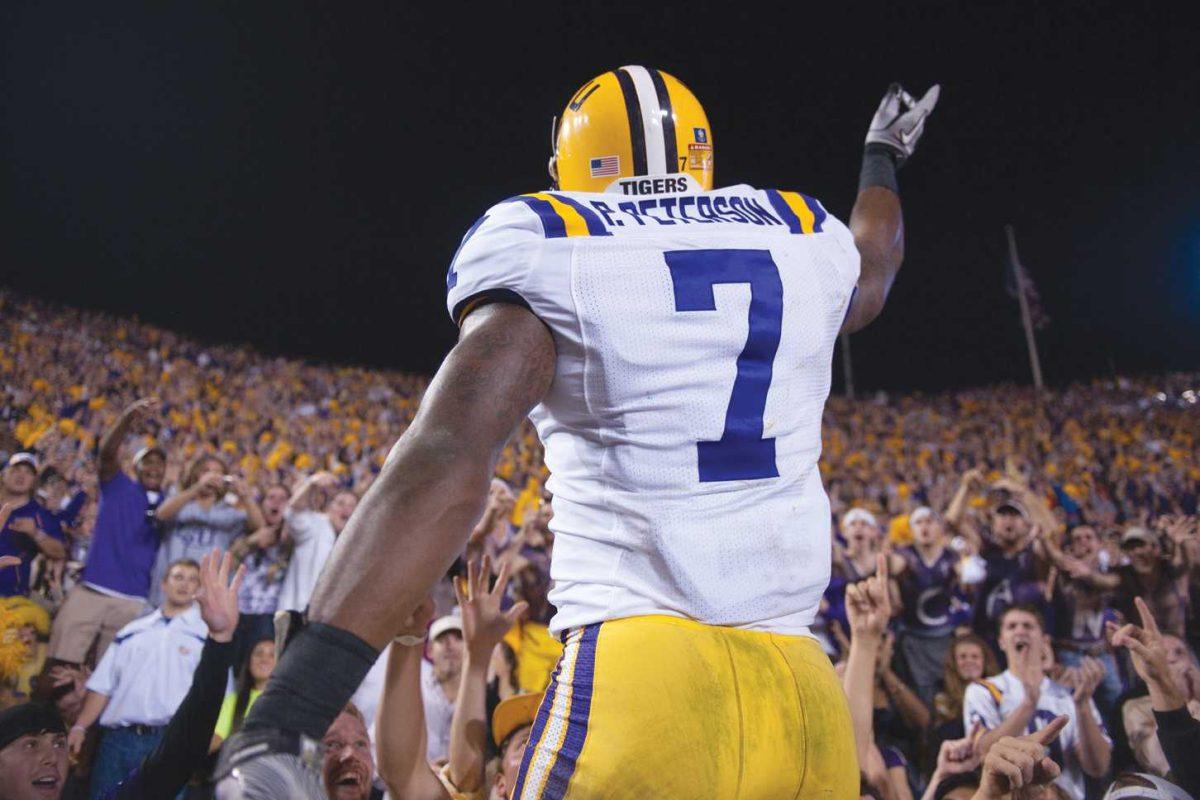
494, 261
980, 706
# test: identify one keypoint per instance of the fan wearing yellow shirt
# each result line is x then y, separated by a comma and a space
252, 677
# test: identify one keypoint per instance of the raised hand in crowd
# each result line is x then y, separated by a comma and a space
131, 419
955, 757
1148, 652
868, 609
484, 625
1084, 679
1018, 762
218, 595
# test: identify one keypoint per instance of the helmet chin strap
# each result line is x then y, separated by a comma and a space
552, 165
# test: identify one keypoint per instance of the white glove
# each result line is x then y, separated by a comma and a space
900, 120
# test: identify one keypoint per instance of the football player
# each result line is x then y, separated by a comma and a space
672, 342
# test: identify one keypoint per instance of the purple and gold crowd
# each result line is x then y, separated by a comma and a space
999, 560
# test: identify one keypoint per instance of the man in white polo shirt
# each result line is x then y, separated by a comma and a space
142, 679
1022, 700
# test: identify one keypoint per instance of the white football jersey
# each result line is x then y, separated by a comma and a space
992, 700
694, 337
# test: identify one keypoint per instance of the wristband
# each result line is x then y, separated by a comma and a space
879, 168
409, 641
78, 728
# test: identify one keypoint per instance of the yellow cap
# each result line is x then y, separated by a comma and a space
633, 122
514, 713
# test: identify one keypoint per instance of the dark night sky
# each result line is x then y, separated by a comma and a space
298, 177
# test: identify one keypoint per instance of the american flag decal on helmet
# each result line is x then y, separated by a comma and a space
605, 166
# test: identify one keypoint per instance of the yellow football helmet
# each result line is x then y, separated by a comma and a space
632, 122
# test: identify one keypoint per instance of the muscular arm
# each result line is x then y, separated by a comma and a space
878, 228
415, 519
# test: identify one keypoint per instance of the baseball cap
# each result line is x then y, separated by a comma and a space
147, 450
23, 458
514, 713
450, 622
921, 513
856, 514
1143, 786
28, 718
1010, 507
1137, 533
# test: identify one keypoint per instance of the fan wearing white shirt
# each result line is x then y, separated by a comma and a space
142, 679
1022, 699
312, 534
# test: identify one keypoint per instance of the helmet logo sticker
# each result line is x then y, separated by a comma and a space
701, 135
605, 166
577, 101
700, 156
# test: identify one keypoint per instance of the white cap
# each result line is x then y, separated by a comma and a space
855, 514
450, 622
23, 458
921, 513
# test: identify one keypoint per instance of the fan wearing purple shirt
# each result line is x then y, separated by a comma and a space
116, 579
26, 528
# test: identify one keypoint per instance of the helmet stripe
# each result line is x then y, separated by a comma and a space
637, 133
670, 146
656, 158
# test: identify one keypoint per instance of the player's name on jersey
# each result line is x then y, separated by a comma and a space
697, 209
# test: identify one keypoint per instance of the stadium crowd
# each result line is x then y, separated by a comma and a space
999, 560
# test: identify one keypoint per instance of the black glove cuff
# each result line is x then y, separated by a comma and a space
879, 166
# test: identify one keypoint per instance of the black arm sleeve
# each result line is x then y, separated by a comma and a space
184, 745
1179, 736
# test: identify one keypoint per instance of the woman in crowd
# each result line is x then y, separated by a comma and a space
251, 679
968, 659
200, 516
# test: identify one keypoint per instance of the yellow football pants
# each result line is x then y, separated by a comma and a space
659, 707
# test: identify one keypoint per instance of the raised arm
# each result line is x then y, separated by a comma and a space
484, 625
400, 722
110, 443
171, 507
416, 517
868, 608
184, 744
876, 220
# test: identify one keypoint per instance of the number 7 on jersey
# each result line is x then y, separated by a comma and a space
741, 453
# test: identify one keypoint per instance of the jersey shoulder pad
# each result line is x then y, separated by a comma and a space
494, 258
801, 213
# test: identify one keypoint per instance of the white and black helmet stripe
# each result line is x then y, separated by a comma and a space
651, 122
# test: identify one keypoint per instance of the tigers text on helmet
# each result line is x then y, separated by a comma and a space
633, 130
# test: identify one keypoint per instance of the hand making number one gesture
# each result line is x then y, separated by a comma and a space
1015, 762
869, 603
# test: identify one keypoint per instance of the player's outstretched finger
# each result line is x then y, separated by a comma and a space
931, 98
1049, 733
